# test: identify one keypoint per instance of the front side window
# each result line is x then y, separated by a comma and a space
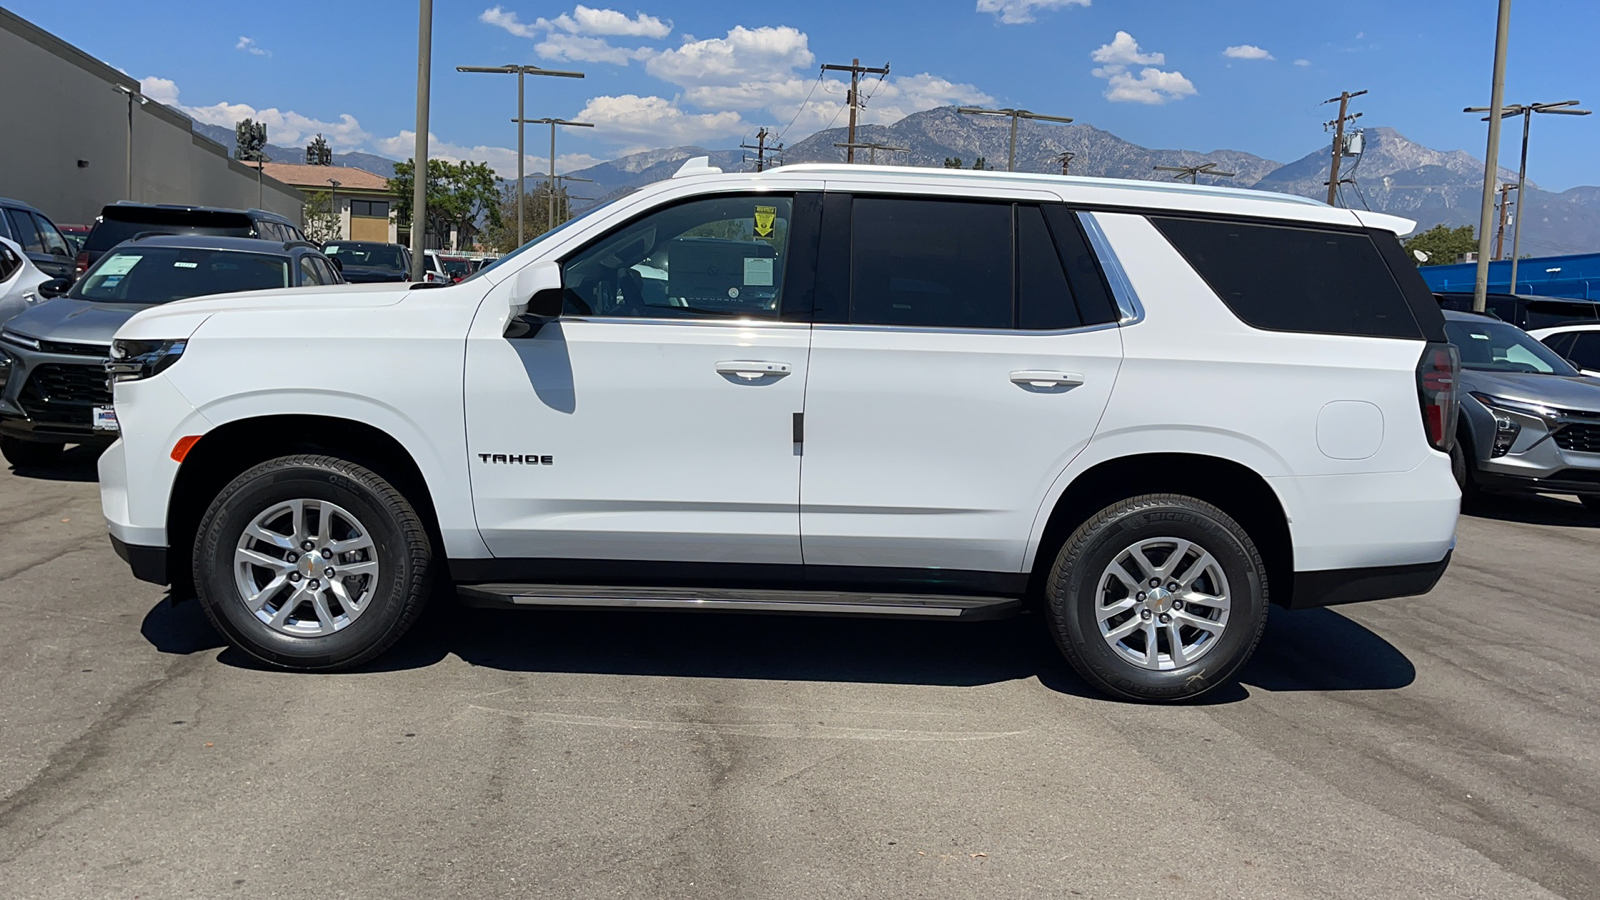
50, 238
309, 273
1585, 350
26, 233
9, 263
940, 263
1489, 346
716, 257
136, 274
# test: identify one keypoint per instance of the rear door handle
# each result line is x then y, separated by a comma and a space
752, 369
1043, 378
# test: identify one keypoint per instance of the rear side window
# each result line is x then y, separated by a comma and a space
1044, 298
1285, 278
24, 231
936, 263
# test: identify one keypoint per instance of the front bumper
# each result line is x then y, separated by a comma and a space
148, 563
51, 392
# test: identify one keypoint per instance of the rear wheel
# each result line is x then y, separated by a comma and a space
312, 562
1158, 598
1462, 461
30, 454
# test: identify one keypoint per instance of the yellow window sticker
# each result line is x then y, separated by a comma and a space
765, 216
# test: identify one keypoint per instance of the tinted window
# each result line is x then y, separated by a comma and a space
372, 256
309, 273
1083, 270
1044, 298
9, 263
1561, 343
719, 256
138, 274
930, 262
1490, 346
118, 223
1545, 313
50, 238
1286, 278
330, 275
1586, 351
24, 232
370, 208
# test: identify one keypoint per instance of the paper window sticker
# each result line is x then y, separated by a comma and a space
758, 272
121, 264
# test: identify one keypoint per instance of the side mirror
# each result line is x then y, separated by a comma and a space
546, 304
55, 287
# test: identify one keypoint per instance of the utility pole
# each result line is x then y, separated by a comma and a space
1015, 114
1065, 159
853, 98
520, 71
1500, 235
1338, 139
1491, 157
1193, 173
133, 95
552, 204
1526, 111
762, 149
872, 160
419, 157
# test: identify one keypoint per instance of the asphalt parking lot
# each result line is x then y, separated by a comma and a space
1442, 746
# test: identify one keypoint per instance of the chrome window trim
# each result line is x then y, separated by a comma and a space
944, 329
708, 320
1121, 288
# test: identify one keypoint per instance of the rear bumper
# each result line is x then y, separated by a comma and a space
1334, 586
1583, 482
148, 563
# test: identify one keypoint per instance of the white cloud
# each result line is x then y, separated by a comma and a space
250, 46
1247, 51
574, 47
503, 160
161, 90
744, 55
584, 20
897, 98
508, 20
1019, 12
1124, 51
1151, 85
1302, 62
283, 127
658, 120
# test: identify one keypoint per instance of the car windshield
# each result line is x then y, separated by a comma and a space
137, 274
538, 240
1489, 346
372, 256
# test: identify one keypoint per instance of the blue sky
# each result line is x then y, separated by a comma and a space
1240, 74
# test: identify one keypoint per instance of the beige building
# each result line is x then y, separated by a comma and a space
65, 147
363, 200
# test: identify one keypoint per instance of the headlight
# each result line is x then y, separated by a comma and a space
133, 360
1506, 415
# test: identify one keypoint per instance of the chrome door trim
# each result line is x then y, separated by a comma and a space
1121, 288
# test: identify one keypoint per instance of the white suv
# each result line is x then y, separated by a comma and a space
1143, 410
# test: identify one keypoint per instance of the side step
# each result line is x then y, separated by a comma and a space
828, 603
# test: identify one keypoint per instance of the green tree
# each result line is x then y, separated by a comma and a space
981, 163
249, 139
952, 162
1442, 244
464, 196
322, 222
318, 153
501, 235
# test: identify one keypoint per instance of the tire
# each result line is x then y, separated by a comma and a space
30, 454
1081, 581
368, 528
1461, 466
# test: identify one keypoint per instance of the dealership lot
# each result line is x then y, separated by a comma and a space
1436, 746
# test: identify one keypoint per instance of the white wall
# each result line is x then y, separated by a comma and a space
60, 106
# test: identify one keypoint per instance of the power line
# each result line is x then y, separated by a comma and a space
802, 107
853, 99
1338, 139
762, 149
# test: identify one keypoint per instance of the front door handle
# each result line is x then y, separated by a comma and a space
753, 369
1043, 378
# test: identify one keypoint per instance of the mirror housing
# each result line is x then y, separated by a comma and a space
55, 287
536, 299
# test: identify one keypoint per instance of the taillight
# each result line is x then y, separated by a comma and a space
82, 263
1438, 389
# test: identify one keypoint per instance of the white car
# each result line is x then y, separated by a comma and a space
20, 281
1146, 411
1576, 342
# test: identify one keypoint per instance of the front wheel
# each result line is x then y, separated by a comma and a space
1157, 598
312, 562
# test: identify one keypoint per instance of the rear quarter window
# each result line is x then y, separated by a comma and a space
1290, 278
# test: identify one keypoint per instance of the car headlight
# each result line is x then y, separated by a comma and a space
1507, 414
133, 360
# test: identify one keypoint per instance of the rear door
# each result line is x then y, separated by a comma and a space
41, 242
964, 353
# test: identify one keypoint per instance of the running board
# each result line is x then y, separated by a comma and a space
829, 603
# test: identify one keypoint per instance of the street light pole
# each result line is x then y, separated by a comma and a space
132, 96
551, 184
333, 207
1491, 157
1015, 114
520, 71
419, 157
1526, 111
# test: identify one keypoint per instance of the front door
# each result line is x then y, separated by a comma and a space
973, 361
655, 419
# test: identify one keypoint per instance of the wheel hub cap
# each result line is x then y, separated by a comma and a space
306, 568
1162, 603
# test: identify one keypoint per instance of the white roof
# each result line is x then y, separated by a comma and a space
1091, 192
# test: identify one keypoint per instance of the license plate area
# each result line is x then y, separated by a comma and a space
105, 418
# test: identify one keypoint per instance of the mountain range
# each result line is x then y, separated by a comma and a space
380, 165
1393, 174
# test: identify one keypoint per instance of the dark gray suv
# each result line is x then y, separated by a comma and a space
52, 356
1529, 420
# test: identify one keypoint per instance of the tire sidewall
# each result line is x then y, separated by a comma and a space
1074, 604
249, 496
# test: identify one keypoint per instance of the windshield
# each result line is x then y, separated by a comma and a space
372, 256
538, 240
1488, 346
137, 274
